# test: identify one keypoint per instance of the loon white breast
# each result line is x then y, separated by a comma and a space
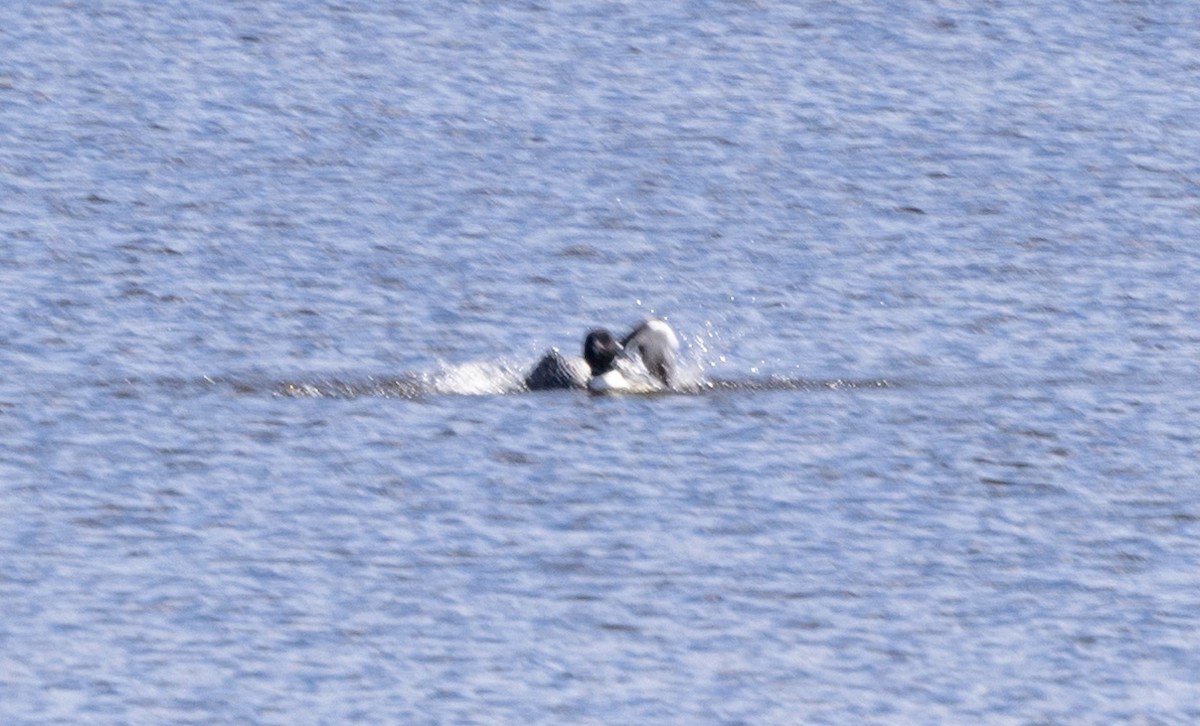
612, 382
610, 364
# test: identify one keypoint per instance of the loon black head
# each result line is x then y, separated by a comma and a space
600, 350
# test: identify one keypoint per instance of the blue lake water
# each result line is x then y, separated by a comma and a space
271, 272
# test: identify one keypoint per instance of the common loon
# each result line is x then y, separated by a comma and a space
608, 365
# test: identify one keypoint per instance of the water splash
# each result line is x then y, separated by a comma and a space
698, 358
477, 379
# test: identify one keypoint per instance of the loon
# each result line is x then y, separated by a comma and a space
607, 362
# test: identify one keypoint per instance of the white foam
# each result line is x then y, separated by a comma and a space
476, 379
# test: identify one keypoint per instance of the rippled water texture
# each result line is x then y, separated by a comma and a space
271, 274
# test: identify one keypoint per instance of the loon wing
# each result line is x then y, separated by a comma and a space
656, 343
556, 371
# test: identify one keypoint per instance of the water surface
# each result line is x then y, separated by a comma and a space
270, 274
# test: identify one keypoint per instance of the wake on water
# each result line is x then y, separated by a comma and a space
494, 378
